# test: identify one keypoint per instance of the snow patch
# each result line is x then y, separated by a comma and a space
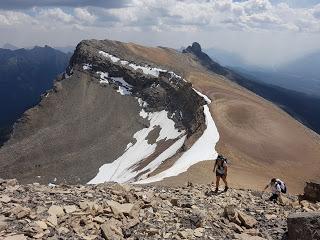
147, 70
203, 149
121, 170
142, 103
124, 88
153, 71
87, 66
168, 153
103, 77
111, 57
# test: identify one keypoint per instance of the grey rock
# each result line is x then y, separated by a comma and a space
312, 191
304, 226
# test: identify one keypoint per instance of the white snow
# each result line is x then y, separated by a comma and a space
103, 77
121, 170
123, 91
122, 82
124, 88
208, 100
147, 70
111, 57
87, 66
143, 113
202, 149
168, 153
142, 103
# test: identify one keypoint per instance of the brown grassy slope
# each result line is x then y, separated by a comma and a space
261, 140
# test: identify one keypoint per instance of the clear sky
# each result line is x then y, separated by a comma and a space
264, 32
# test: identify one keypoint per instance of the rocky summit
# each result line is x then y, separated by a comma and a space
118, 211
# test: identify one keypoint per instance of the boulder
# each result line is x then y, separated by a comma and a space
5, 199
111, 232
244, 236
235, 227
12, 182
3, 222
283, 200
56, 210
118, 208
52, 219
16, 237
121, 187
304, 226
312, 191
70, 208
42, 225
231, 213
246, 220
198, 232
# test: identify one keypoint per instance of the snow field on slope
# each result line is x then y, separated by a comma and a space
121, 170
145, 69
202, 149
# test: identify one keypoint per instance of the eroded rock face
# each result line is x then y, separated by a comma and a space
304, 226
166, 92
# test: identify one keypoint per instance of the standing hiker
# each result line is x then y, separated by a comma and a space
277, 187
221, 169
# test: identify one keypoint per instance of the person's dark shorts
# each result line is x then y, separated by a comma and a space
219, 174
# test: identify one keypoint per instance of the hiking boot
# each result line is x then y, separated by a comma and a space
226, 188
216, 191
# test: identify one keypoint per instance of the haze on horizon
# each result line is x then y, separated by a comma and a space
263, 32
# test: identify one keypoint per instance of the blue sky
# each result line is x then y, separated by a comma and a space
263, 32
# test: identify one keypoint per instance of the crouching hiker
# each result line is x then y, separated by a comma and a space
277, 187
221, 169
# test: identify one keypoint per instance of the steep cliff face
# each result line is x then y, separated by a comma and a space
110, 117
161, 89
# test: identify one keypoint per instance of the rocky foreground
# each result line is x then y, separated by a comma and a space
114, 211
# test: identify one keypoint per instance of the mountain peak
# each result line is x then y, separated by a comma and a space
9, 46
204, 59
195, 48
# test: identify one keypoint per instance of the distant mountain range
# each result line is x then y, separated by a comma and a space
301, 75
9, 46
226, 58
292, 87
25, 74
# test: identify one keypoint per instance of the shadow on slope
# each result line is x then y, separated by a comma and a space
25, 74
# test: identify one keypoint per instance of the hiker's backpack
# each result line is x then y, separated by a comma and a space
282, 185
220, 168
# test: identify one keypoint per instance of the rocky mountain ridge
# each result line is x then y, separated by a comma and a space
110, 108
121, 211
165, 91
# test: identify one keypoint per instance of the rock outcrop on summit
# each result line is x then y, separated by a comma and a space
128, 113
